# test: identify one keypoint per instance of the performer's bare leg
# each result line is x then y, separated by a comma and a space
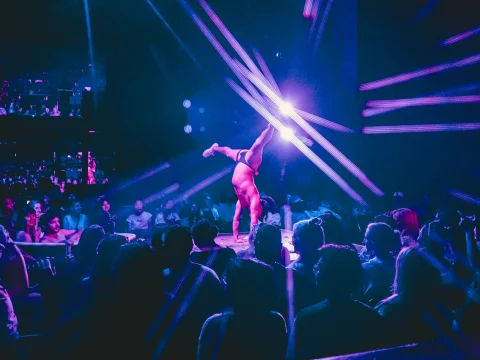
255, 153
224, 150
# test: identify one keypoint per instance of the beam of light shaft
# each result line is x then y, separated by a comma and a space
221, 50
426, 10
465, 197
203, 184
460, 37
149, 199
161, 193
298, 143
424, 101
90, 50
323, 122
307, 9
315, 14
182, 44
458, 90
323, 23
420, 128
230, 38
332, 150
145, 175
266, 72
377, 84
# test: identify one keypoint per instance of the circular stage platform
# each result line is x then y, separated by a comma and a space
226, 240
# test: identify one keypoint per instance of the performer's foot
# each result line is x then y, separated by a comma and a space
209, 151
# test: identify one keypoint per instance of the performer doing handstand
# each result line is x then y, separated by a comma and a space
248, 162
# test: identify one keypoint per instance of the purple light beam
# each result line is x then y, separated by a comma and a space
424, 101
315, 14
465, 197
332, 150
307, 9
377, 84
323, 122
322, 25
420, 128
230, 38
298, 143
266, 72
203, 184
378, 111
460, 37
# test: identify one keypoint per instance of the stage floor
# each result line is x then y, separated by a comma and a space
226, 240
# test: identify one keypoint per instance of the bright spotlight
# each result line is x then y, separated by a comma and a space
286, 108
187, 129
187, 103
287, 134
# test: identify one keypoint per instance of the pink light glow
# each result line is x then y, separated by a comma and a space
338, 155
424, 101
397, 129
323, 122
307, 9
298, 143
460, 37
420, 73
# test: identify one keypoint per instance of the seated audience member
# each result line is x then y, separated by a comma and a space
103, 217
75, 220
134, 295
32, 232
98, 285
86, 250
50, 225
407, 224
292, 287
140, 222
8, 321
415, 311
167, 217
308, 237
268, 246
195, 289
209, 211
332, 230
13, 270
211, 255
251, 289
379, 272
338, 325
9, 217
37, 206
468, 315
270, 213
137, 279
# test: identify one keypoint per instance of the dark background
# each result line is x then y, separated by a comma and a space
149, 74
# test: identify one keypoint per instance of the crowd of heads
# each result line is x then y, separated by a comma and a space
374, 280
